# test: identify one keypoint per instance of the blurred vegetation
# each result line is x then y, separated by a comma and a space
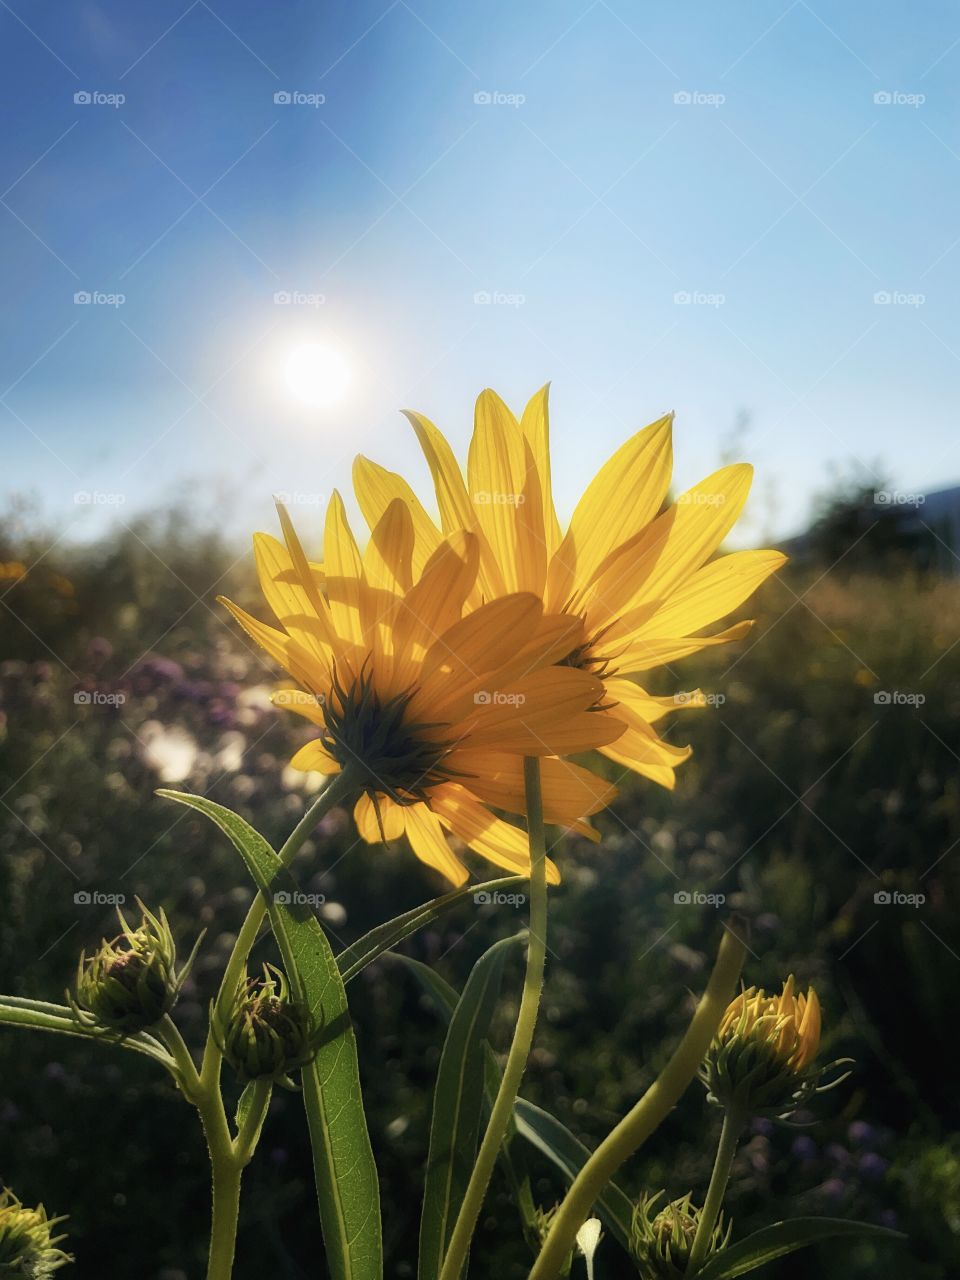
824, 773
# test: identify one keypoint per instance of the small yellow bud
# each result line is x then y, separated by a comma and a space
763, 1058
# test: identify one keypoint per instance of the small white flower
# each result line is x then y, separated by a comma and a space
588, 1237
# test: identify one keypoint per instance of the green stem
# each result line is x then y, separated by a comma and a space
226, 1168
169, 1033
502, 1110
635, 1127
228, 1157
336, 790
226, 1213
733, 1125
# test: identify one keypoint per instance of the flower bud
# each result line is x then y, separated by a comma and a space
267, 1034
661, 1241
542, 1222
131, 982
28, 1246
762, 1060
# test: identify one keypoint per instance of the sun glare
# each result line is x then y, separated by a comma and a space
316, 374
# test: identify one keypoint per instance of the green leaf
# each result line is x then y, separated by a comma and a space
457, 1106
614, 1207
245, 1104
385, 936
436, 987
40, 1015
539, 1128
784, 1237
347, 1187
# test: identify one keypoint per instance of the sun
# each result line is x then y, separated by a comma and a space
316, 374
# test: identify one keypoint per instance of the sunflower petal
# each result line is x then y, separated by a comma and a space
535, 425
646, 569
466, 653
569, 791
344, 570
497, 841
642, 654
505, 489
303, 704
378, 818
314, 758
622, 499
546, 713
282, 648
710, 593
291, 601
429, 843
647, 706
376, 488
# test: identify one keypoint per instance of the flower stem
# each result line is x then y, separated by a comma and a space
637, 1125
227, 1156
336, 790
226, 1213
733, 1124
502, 1110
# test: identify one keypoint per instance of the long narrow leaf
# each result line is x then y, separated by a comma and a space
40, 1015
365, 950
784, 1237
538, 1127
558, 1144
347, 1187
457, 1107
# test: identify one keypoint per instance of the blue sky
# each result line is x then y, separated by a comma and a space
630, 155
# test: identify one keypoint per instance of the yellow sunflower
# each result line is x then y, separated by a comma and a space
432, 712
639, 576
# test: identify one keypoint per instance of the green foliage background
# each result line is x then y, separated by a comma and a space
806, 796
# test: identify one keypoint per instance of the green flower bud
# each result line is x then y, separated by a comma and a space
267, 1034
131, 982
660, 1241
28, 1246
542, 1222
